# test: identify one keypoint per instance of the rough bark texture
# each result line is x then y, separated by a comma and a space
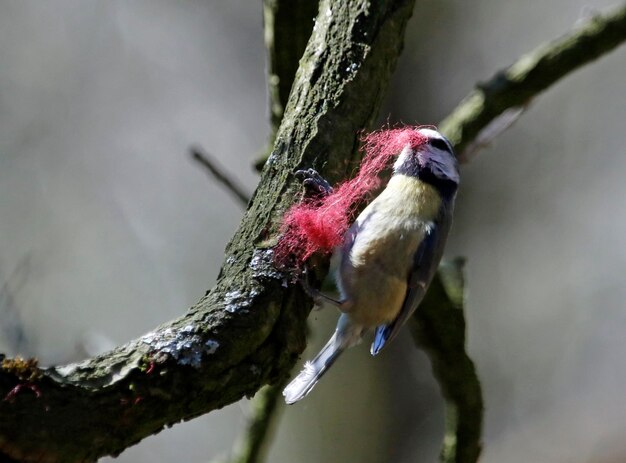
250, 328
287, 26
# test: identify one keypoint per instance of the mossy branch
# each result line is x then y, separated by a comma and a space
438, 327
250, 328
252, 446
287, 26
517, 85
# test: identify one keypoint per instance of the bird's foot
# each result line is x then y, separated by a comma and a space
318, 297
314, 184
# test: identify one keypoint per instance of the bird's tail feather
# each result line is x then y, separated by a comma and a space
302, 384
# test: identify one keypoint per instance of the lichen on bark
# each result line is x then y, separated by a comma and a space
250, 328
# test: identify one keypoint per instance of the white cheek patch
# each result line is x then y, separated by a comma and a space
402, 157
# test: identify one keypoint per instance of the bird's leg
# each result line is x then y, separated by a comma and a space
315, 294
314, 184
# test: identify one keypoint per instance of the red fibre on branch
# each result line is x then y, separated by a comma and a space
319, 225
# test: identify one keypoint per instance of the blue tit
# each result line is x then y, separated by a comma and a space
390, 254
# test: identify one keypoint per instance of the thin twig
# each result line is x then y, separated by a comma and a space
12, 326
204, 159
531, 74
253, 443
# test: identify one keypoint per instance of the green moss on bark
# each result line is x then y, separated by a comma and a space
249, 329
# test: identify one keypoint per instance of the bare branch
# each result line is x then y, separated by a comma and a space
531, 74
12, 327
438, 327
287, 25
251, 327
205, 160
252, 446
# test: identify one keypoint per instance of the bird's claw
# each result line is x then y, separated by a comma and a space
314, 184
318, 297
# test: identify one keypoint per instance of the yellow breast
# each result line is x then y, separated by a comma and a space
389, 230
409, 197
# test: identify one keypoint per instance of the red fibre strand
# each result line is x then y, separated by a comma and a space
319, 226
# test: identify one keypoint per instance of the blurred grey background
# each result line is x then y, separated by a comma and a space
108, 229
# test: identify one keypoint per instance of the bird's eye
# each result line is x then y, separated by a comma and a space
439, 144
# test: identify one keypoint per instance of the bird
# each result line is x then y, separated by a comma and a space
390, 253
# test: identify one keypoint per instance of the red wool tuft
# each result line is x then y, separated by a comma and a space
319, 226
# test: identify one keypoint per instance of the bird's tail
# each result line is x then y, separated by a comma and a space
302, 384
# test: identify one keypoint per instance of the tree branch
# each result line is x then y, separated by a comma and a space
517, 85
438, 327
250, 328
287, 26
211, 166
252, 446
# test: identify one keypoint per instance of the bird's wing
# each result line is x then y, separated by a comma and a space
425, 261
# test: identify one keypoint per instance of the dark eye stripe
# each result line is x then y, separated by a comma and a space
439, 144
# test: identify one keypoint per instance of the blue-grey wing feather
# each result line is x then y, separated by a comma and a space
425, 262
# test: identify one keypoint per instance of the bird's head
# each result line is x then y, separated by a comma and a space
431, 160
